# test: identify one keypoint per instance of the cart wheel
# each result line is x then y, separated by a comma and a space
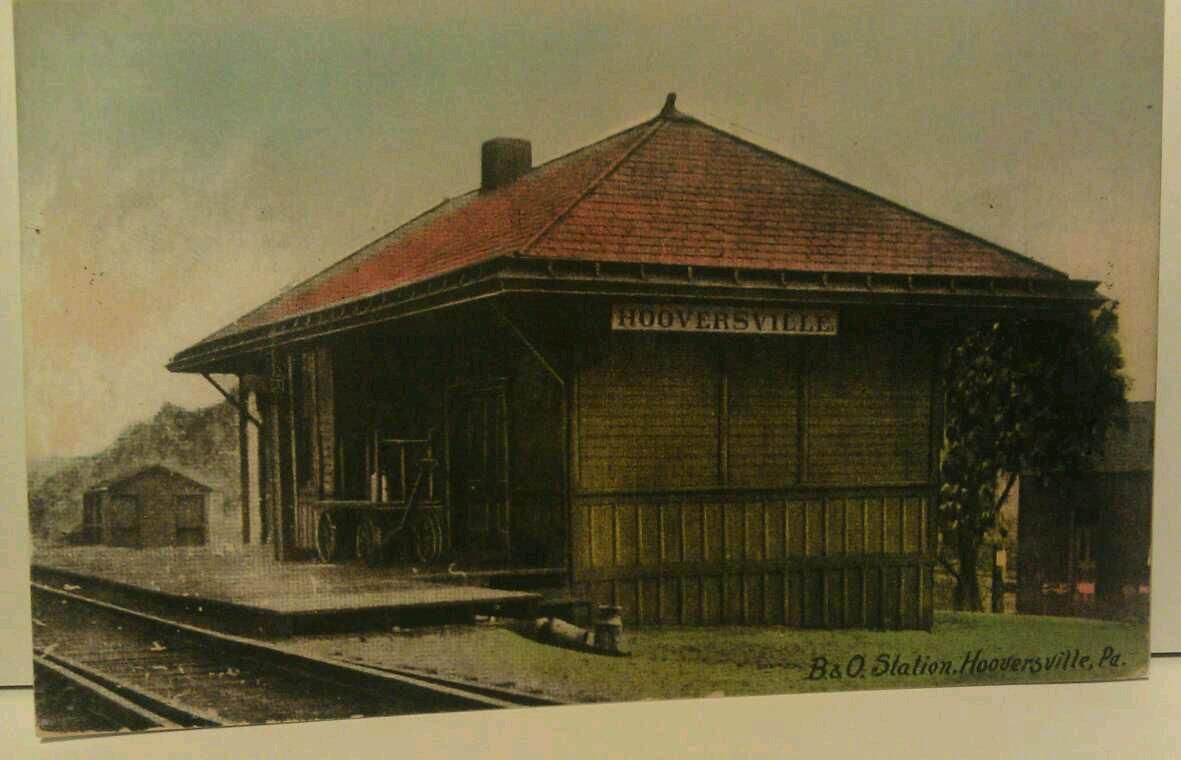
370, 546
439, 533
427, 538
327, 537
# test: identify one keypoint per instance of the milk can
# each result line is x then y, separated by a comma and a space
609, 629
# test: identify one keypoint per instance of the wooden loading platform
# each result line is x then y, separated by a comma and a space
246, 591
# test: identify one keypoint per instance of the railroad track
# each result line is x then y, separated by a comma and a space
80, 702
149, 671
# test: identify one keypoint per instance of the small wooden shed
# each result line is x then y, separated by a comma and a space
155, 506
1084, 541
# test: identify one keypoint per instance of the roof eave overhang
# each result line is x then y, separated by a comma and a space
228, 353
519, 274
751, 284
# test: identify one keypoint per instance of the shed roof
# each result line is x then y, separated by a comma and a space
671, 191
118, 482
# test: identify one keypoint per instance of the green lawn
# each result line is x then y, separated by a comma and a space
692, 662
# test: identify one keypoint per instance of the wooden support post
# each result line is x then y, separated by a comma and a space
313, 380
265, 466
244, 457
283, 456
290, 471
276, 458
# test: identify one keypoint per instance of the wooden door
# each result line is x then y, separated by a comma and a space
190, 521
92, 520
479, 472
124, 518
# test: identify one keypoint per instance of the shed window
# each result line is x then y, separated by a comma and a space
123, 521
190, 520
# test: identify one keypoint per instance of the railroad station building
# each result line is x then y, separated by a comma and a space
671, 371
154, 506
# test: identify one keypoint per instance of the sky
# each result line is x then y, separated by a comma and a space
181, 163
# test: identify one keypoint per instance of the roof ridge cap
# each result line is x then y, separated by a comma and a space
654, 127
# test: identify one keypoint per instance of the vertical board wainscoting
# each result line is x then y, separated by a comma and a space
833, 560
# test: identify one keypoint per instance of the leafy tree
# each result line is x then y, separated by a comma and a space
1028, 396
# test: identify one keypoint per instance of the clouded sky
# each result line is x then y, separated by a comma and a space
180, 163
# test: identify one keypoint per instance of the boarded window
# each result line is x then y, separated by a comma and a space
648, 415
869, 408
763, 406
123, 521
190, 520
91, 519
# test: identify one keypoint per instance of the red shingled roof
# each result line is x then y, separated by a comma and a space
672, 190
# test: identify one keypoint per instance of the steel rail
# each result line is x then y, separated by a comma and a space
435, 693
125, 707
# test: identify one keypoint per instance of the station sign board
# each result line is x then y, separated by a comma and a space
739, 320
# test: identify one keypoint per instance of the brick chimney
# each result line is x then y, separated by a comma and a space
502, 160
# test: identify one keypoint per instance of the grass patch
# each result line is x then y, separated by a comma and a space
676, 662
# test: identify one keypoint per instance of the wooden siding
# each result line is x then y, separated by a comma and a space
783, 481
821, 560
762, 406
669, 412
153, 510
648, 416
869, 410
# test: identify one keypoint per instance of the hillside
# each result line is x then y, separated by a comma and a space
200, 442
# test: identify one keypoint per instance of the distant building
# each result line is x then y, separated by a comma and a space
154, 506
1084, 541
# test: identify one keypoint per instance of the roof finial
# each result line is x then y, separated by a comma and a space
670, 105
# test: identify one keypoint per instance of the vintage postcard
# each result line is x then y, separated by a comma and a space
395, 360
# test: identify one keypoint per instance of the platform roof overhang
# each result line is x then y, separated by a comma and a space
519, 275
